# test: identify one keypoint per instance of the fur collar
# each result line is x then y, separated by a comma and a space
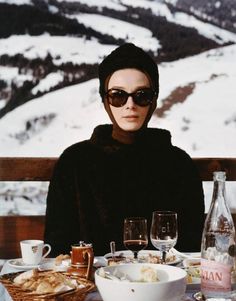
148, 137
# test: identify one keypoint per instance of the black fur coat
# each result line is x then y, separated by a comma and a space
98, 182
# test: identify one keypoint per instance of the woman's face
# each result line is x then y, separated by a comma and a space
129, 117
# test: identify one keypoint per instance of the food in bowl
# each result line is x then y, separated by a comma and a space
115, 260
193, 274
192, 267
147, 274
142, 282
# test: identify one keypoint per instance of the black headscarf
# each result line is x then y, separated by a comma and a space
127, 56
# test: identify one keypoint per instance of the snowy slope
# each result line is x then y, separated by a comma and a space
207, 30
210, 111
62, 49
138, 35
203, 125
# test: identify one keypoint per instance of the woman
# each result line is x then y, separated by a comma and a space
124, 169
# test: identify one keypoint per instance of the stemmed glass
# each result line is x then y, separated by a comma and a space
135, 234
164, 231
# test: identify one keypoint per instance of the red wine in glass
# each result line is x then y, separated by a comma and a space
135, 234
135, 245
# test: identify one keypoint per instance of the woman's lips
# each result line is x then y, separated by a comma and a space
130, 117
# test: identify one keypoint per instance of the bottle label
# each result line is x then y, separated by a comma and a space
215, 276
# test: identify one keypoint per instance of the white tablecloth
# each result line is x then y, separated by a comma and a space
4, 296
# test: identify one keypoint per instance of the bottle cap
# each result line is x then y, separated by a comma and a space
219, 175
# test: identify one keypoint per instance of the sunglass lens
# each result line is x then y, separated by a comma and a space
117, 98
143, 97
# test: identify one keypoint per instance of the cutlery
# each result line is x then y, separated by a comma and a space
118, 276
183, 255
113, 248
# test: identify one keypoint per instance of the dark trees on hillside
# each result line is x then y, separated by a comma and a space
27, 19
39, 68
176, 42
219, 13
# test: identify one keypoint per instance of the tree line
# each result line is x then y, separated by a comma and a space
176, 42
39, 68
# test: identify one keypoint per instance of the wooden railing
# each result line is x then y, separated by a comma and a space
26, 169
16, 228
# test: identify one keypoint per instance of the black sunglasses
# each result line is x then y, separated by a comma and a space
142, 97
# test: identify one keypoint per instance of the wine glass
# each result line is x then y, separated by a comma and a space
135, 234
164, 231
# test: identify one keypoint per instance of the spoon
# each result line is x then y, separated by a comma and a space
183, 255
113, 249
117, 276
111, 276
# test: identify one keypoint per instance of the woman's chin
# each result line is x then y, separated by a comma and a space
130, 128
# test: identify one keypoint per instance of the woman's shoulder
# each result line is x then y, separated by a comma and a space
175, 154
77, 147
183, 161
73, 153
161, 138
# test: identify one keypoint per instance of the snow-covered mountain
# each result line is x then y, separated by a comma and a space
221, 12
196, 103
198, 108
62, 42
49, 88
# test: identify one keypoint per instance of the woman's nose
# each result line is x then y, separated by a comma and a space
130, 102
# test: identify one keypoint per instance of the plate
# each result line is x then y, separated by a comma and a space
50, 265
199, 297
20, 265
192, 267
45, 264
150, 256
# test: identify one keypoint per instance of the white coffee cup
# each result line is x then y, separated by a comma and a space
32, 251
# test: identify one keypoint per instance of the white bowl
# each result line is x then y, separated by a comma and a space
170, 287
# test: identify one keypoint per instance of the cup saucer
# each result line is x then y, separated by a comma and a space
18, 263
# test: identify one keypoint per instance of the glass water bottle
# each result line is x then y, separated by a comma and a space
218, 244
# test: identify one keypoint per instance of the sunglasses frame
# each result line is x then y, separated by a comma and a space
126, 95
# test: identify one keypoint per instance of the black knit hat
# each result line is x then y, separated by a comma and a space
128, 56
